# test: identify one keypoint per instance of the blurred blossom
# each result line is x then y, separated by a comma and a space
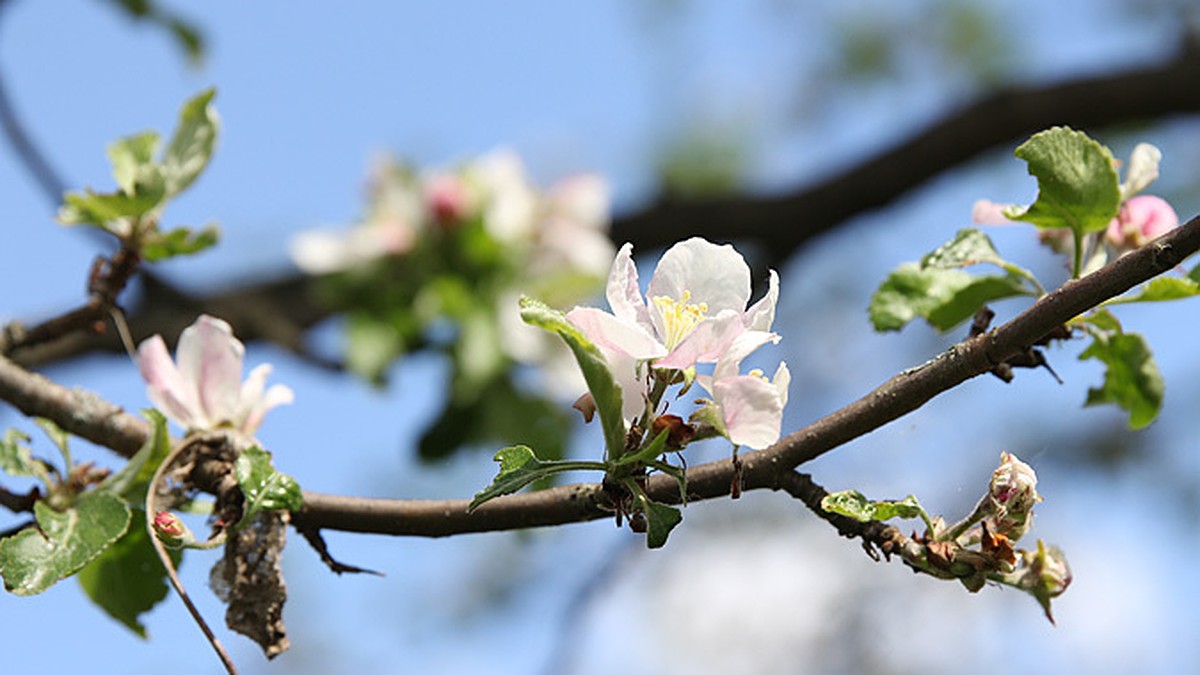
203, 387
1140, 220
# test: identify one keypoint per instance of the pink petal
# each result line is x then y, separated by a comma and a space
611, 333
165, 386
751, 409
762, 314
210, 359
623, 292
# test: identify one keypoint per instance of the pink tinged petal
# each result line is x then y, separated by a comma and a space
751, 408
705, 343
762, 314
165, 386
714, 275
1152, 216
609, 332
623, 293
255, 404
210, 359
742, 346
625, 372
987, 212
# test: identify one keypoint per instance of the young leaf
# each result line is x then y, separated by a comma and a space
520, 467
604, 390
264, 488
192, 145
853, 504
57, 436
31, 560
943, 297
127, 579
106, 210
1078, 187
972, 247
660, 520
130, 157
1132, 380
16, 459
132, 481
180, 241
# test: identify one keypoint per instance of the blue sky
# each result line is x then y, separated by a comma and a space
309, 94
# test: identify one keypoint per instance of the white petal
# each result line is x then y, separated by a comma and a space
321, 251
751, 409
762, 314
742, 346
165, 386
1142, 169
706, 343
712, 274
609, 332
623, 292
987, 212
210, 359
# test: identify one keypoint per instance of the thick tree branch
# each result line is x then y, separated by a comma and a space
282, 310
85, 415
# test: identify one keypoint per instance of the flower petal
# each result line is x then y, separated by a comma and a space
610, 332
762, 314
705, 343
165, 385
712, 274
751, 408
623, 292
210, 358
1142, 169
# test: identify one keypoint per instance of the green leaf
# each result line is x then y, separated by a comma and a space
57, 436
127, 579
971, 247
520, 467
132, 481
1078, 186
30, 562
192, 145
656, 447
16, 459
180, 241
852, 504
605, 391
264, 488
1132, 380
131, 156
943, 297
1163, 288
105, 210
660, 520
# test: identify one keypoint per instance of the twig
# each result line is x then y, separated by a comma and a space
18, 503
169, 566
314, 538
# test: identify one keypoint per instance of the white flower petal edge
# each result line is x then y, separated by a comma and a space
202, 389
752, 407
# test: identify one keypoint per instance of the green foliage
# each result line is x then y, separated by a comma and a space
16, 459
1163, 288
133, 480
853, 504
127, 579
1078, 186
943, 297
604, 390
264, 488
34, 559
519, 467
660, 520
145, 186
1132, 380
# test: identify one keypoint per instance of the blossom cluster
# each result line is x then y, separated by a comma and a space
695, 311
1140, 219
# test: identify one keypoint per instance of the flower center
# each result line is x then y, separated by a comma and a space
679, 317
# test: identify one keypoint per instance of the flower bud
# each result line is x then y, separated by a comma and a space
171, 531
1013, 488
1045, 575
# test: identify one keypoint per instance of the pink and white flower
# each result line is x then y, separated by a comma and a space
693, 310
750, 405
203, 387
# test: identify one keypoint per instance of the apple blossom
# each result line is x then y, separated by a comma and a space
750, 406
203, 388
1141, 219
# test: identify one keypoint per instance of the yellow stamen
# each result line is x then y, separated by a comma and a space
679, 317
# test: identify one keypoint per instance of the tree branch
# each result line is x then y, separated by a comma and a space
86, 415
282, 310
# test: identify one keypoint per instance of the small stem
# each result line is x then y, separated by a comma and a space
169, 566
982, 510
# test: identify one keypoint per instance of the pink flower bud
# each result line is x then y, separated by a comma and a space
170, 530
1140, 220
447, 199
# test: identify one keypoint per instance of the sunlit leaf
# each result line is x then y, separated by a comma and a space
192, 144
1132, 380
943, 297
127, 579
264, 488
158, 246
1078, 186
853, 504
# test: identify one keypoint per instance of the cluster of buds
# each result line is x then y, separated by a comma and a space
1141, 218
